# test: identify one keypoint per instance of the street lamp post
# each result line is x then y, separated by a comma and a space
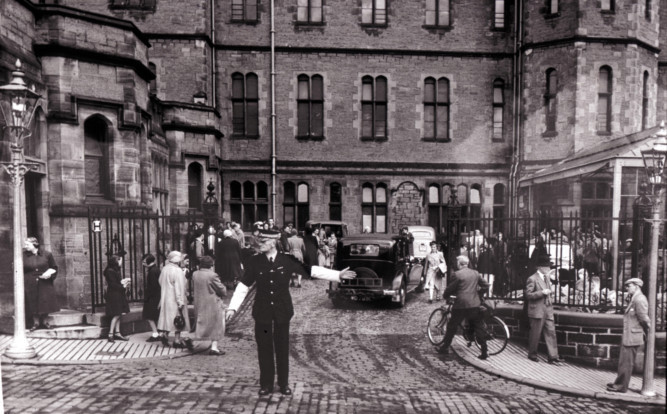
654, 162
17, 107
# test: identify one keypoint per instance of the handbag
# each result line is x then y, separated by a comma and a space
179, 321
443, 268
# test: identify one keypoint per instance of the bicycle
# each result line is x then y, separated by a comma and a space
496, 331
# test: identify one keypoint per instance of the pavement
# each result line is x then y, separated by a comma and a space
511, 364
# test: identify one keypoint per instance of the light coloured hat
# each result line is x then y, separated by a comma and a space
635, 280
174, 256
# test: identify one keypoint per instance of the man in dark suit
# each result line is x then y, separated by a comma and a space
272, 309
541, 311
636, 323
465, 284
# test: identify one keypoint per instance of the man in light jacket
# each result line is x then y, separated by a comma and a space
636, 323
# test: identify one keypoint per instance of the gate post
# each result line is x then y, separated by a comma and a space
641, 234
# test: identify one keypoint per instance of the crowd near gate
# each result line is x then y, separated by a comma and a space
136, 232
588, 270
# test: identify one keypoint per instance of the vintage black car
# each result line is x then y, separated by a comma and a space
385, 269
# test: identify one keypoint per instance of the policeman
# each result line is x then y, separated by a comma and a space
272, 310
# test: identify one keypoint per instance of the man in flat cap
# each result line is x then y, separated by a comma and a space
272, 308
636, 324
541, 311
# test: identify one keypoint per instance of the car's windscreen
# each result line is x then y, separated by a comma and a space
364, 250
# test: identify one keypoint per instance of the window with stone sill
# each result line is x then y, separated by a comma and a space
133, 4
551, 9
248, 203
499, 14
245, 105
310, 107
374, 13
498, 109
605, 84
436, 109
374, 108
437, 13
245, 11
374, 207
607, 6
309, 12
296, 204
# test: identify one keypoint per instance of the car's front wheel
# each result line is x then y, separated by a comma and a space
401, 295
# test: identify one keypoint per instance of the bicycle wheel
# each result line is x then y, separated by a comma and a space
437, 323
497, 335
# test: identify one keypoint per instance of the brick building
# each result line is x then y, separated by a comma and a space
367, 111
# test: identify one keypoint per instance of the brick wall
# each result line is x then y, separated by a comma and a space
592, 339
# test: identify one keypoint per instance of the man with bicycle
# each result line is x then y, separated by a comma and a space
465, 285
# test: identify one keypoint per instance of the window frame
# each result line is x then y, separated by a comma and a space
310, 101
245, 100
551, 103
374, 205
195, 191
608, 95
645, 99
436, 104
495, 24
374, 14
611, 9
241, 206
144, 5
335, 204
437, 12
549, 7
374, 103
498, 84
301, 209
245, 7
309, 9
648, 10
105, 141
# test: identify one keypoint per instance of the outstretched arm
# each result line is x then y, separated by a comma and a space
331, 275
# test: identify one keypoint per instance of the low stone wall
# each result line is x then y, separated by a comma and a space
588, 338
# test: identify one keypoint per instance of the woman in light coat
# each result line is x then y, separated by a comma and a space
209, 309
173, 298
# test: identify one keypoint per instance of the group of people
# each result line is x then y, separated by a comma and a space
165, 305
466, 284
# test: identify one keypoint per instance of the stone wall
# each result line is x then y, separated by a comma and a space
588, 338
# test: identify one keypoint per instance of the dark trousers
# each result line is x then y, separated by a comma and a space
273, 338
537, 327
626, 362
475, 323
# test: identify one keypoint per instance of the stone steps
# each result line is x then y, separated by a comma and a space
68, 324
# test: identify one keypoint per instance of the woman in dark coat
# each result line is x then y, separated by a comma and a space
39, 272
312, 246
228, 259
116, 300
151, 313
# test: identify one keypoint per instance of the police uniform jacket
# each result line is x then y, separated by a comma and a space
634, 319
273, 301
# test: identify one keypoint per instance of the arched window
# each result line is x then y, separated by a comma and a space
374, 207
498, 109
498, 207
434, 207
645, 101
245, 105
296, 204
335, 202
604, 100
475, 203
550, 100
195, 189
436, 109
374, 108
310, 107
96, 157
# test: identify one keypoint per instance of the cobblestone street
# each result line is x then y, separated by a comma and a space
365, 358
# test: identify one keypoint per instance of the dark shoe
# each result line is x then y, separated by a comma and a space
553, 361
265, 391
165, 340
110, 339
216, 352
437, 298
178, 345
285, 390
46, 325
533, 358
120, 337
189, 344
34, 327
291, 284
483, 356
615, 389
153, 339
299, 285
611, 385
443, 351
430, 301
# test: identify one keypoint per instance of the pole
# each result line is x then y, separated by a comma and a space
20, 348
648, 388
273, 114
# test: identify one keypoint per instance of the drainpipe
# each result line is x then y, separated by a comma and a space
214, 71
517, 69
273, 112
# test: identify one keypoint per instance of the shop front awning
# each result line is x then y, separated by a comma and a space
590, 160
